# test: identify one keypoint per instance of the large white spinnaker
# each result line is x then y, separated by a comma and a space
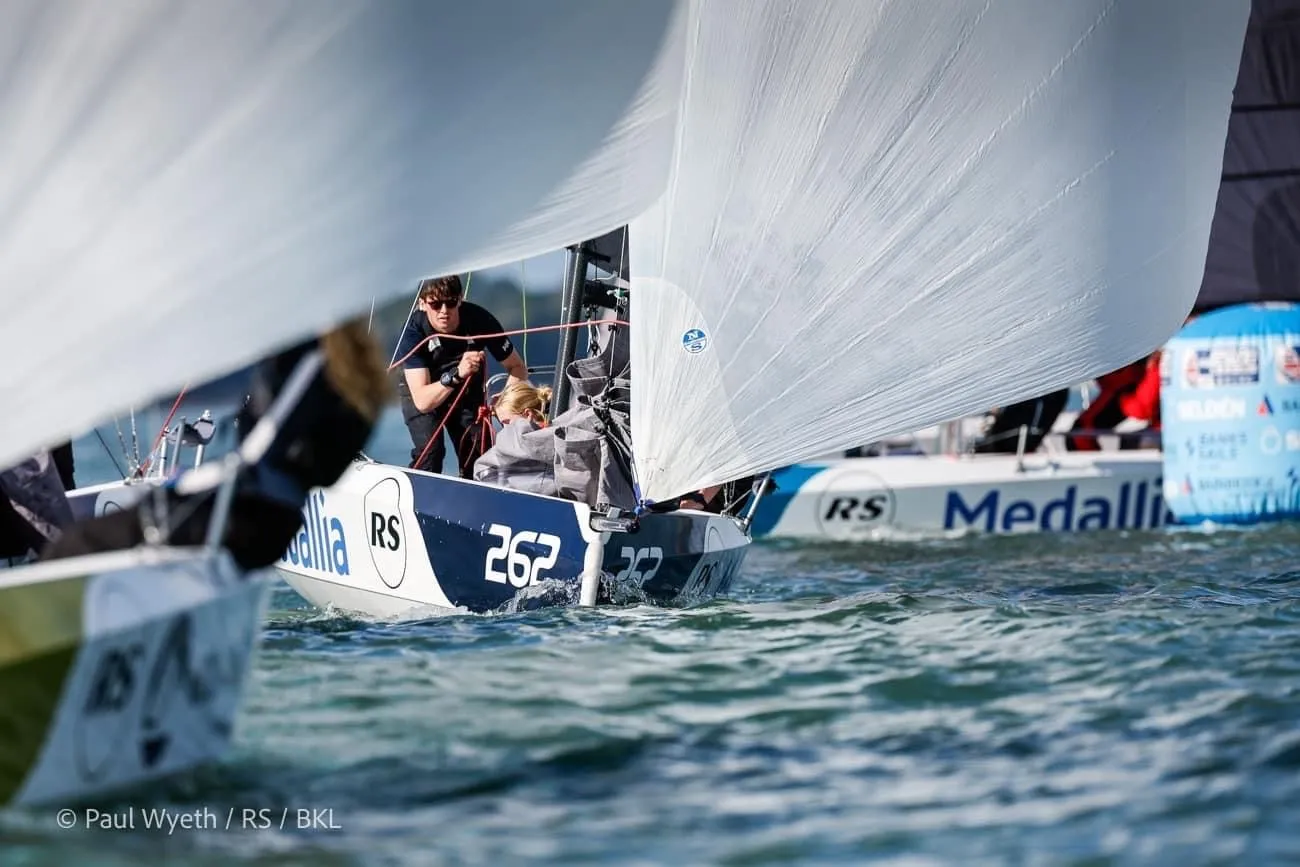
190, 185
883, 215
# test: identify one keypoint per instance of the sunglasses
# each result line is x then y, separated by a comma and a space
447, 304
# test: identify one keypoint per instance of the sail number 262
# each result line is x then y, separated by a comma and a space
521, 557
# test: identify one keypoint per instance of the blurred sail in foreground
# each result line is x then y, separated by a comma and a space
188, 186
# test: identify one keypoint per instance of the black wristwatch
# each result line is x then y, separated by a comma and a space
450, 379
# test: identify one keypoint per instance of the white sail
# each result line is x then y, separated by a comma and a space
187, 186
883, 215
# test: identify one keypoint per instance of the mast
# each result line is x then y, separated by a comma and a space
570, 311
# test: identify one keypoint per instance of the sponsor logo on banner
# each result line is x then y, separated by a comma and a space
1220, 366
1286, 364
1272, 441
1134, 505
1211, 409
1272, 405
1232, 483
1216, 446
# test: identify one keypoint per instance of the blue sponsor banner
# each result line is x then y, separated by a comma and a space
1230, 412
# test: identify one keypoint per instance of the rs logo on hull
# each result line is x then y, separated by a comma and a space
385, 534
385, 531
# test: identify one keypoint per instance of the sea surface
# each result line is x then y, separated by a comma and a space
1093, 699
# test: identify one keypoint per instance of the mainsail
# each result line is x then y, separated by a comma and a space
191, 185
1254, 250
883, 215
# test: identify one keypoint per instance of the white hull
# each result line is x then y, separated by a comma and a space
106, 498
910, 496
121, 668
348, 597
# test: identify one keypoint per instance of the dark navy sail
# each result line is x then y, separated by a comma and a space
1254, 252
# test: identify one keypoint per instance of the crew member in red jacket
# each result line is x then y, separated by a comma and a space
1133, 391
1143, 402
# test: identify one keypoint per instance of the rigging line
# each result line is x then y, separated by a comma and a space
509, 333
438, 430
414, 301
135, 438
109, 452
523, 300
142, 468
392, 362
126, 452
483, 423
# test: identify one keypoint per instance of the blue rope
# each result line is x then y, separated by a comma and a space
642, 505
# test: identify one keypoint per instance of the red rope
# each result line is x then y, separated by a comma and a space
536, 328
483, 421
140, 471
438, 431
483, 417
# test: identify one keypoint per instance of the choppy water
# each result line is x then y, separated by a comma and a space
1084, 700
1106, 698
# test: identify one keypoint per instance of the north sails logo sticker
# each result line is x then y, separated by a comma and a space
695, 341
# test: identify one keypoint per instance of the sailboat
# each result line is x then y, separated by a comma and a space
849, 248
388, 541
845, 220
425, 555
190, 187
930, 483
